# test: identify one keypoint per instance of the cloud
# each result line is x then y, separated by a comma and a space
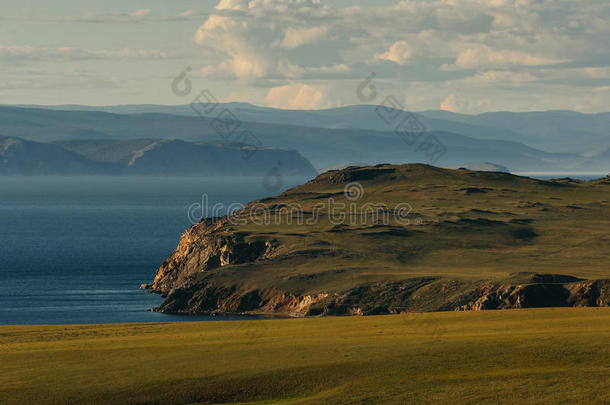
136, 16
510, 52
458, 104
304, 39
451, 103
95, 17
482, 56
21, 53
400, 52
296, 37
500, 78
140, 13
186, 15
298, 96
63, 79
272, 39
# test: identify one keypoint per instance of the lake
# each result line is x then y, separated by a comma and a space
76, 249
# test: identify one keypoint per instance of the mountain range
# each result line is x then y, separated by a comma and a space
552, 131
145, 157
544, 141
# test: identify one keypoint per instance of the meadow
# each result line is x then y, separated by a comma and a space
536, 356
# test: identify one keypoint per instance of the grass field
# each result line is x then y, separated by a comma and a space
538, 356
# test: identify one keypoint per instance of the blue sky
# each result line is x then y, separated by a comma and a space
466, 56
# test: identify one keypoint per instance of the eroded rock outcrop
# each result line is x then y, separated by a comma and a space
204, 246
201, 299
415, 295
585, 293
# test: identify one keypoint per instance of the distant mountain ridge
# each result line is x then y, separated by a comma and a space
551, 131
145, 157
323, 147
22, 157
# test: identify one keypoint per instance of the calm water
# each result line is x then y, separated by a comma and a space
75, 250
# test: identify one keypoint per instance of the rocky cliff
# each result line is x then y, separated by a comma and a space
390, 298
203, 247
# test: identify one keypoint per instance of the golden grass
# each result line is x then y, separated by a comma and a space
541, 356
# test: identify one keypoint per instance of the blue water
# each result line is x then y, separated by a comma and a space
75, 250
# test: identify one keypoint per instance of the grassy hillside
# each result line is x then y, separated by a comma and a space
463, 223
468, 235
549, 356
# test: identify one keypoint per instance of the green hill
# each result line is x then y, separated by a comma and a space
430, 239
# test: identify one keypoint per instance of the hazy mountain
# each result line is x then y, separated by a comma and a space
22, 157
162, 156
184, 109
554, 131
485, 167
145, 157
551, 131
352, 117
323, 147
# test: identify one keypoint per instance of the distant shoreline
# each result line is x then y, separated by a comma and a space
585, 176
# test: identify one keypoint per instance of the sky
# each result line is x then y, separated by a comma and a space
467, 56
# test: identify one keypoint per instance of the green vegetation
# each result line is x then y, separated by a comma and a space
470, 238
538, 356
463, 224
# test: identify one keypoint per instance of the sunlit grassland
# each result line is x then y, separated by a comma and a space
541, 356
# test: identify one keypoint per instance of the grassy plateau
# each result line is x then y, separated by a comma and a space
534, 356
467, 237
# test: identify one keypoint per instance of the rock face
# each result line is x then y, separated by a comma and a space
200, 299
421, 294
590, 293
203, 247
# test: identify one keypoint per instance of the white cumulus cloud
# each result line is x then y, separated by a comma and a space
298, 96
